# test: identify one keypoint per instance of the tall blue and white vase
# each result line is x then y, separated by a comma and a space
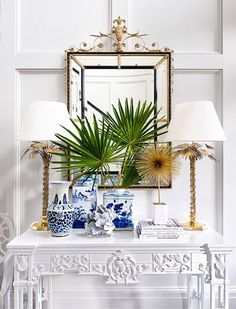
60, 213
84, 199
122, 203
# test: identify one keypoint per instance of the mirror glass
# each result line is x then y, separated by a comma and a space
95, 82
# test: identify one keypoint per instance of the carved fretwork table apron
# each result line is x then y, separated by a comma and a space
120, 259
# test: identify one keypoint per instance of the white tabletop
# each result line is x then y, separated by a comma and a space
196, 239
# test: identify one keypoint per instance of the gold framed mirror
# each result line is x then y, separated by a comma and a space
96, 79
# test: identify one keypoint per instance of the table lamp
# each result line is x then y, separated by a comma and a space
194, 122
40, 123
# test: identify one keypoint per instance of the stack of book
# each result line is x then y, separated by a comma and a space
171, 230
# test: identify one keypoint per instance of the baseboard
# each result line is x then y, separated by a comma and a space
130, 298
124, 297
122, 292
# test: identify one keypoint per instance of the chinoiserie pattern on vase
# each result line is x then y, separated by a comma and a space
84, 199
60, 213
122, 203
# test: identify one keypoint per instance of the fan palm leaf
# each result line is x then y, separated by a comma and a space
133, 127
88, 149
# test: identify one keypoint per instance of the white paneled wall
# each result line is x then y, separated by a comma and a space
33, 37
187, 26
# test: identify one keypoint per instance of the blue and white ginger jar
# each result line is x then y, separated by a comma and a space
60, 213
122, 203
84, 199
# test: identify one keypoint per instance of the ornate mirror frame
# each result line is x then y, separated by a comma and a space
80, 60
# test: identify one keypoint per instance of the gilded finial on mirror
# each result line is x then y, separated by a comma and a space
118, 36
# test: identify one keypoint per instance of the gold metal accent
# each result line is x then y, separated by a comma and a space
119, 61
77, 62
43, 224
119, 35
196, 227
192, 224
46, 153
194, 152
160, 62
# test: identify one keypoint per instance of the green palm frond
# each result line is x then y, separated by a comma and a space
89, 149
117, 138
133, 127
130, 175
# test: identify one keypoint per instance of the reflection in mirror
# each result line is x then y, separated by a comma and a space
95, 81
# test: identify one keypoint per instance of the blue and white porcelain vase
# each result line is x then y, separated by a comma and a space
122, 203
60, 213
84, 199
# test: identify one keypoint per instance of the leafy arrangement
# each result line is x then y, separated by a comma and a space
90, 149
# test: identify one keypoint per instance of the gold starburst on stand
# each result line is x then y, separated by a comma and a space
157, 164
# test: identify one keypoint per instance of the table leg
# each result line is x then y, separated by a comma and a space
189, 291
16, 285
198, 293
218, 281
23, 281
8, 300
30, 283
21, 297
50, 305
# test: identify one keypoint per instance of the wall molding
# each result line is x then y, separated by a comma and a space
219, 48
16, 212
122, 8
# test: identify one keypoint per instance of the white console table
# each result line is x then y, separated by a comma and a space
120, 259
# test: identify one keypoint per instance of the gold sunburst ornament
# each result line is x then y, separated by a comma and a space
157, 164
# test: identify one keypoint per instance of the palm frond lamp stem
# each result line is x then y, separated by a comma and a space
193, 123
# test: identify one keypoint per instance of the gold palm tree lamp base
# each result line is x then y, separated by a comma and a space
39, 226
194, 227
194, 152
45, 151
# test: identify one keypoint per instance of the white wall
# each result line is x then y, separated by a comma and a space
33, 37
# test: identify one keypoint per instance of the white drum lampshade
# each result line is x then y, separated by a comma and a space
195, 121
42, 120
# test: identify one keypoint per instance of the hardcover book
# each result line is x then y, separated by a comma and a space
171, 230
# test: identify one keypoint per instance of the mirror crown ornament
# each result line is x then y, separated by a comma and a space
119, 35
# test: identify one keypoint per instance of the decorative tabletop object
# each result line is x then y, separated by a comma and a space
121, 201
149, 230
158, 163
84, 199
194, 122
116, 139
100, 221
40, 123
60, 213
